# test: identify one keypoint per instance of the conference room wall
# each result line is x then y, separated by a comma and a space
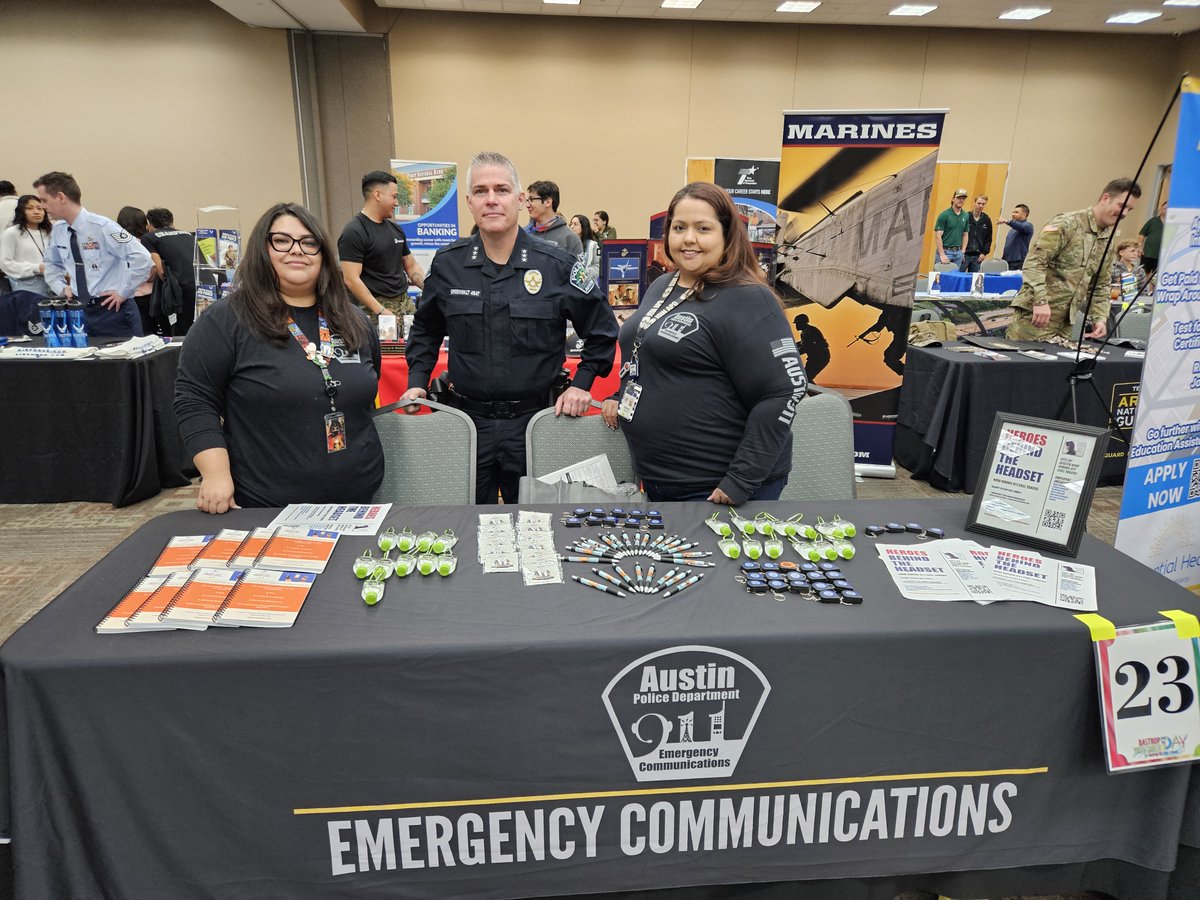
173, 103
611, 109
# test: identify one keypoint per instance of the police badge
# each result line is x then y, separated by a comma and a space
533, 281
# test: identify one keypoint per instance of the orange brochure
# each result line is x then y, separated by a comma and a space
179, 553
114, 622
266, 599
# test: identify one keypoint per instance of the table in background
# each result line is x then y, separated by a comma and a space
949, 400
988, 313
91, 429
393, 377
223, 764
962, 282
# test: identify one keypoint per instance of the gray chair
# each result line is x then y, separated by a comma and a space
555, 442
430, 459
822, 448
922, 284
993, 265
945, 267
1136, 323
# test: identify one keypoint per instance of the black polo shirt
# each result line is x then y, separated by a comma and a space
177, 249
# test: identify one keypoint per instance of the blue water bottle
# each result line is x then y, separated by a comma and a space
77, 323
62, 331
46, 312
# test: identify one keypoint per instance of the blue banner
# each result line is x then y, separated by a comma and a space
1160, 507
426, 205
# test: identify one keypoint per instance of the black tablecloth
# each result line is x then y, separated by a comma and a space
92, 429
334, 758
949, 400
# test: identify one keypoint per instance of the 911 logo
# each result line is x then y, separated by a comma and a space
686, 712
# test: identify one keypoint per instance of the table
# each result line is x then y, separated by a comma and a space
92, 429
949, 400
962, 282
393, 377
988, 313
466, 717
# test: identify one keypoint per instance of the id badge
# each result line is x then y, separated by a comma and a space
335, 432
629, 401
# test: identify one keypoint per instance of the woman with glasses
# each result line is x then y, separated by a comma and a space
277, 382
711, 374
23, 246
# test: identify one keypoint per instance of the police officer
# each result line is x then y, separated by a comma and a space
1060, 267
92, 258
504, 298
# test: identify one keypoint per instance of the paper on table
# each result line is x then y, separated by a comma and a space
920, 573
1025, 575
344, 518
596, 471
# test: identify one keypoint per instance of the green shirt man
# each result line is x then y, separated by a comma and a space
1062, 264
950, 231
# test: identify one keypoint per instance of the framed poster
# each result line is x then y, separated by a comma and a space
1037, 482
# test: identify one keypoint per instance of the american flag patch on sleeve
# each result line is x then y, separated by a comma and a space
783, 347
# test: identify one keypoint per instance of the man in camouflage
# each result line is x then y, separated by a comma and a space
1068, 253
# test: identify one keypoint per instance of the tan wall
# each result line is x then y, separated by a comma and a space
172, 103
1068, 112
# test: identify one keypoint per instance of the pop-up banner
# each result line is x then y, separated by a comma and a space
1160, 508
854, 190
426, 206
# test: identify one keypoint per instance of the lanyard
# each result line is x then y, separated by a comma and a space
41, 247
320, 358
657, 312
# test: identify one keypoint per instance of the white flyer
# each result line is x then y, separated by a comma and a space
920, 573
596, 471
344, 518
1026, 575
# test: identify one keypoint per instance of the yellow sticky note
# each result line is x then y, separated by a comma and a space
1100, 627
1187, 626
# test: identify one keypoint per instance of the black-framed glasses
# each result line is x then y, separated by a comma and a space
283, 243
532, 198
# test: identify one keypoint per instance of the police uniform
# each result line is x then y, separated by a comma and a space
111, 259
507, 328
1057, 271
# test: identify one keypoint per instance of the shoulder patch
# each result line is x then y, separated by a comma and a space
1050, 227
122, 237
580, 280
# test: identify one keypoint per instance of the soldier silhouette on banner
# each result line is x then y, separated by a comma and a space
812, 346
894, 319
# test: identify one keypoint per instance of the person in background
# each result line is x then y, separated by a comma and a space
23, 246
712, 374
600, 227
1016, 245
591, 250
544, 220
134, 221
103, 261
1059, 269
377, 265
979, 235
277, 382
950, 231
8, 202
1152, 233
1128, 275
504, 299
174, 251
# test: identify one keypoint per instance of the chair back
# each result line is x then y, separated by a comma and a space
993, 265
922, 284
555, 442
430, 460
1136, 323
945, 267
822, 448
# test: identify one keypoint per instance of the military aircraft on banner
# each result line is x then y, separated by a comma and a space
865, 248
624, 268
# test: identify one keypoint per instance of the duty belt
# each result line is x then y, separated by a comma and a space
496, 409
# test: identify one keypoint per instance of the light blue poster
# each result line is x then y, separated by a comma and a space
426, 205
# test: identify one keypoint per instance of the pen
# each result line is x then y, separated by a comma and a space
662, 582
616, 582
624, 576
677, 576
637, 577
582, 559
686, 584
598, 586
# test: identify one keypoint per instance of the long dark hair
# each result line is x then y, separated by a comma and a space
585, 229
133, 220
738, 263
19, 214
256, 300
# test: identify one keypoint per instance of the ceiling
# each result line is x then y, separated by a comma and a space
365, 16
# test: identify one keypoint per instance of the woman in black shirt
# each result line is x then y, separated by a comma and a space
277, 382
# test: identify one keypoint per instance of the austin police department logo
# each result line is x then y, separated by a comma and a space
533, 281
679, 325
686, 712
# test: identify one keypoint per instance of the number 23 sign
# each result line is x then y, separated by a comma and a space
1149, 694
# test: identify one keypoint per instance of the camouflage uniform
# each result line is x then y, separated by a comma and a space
1057, 271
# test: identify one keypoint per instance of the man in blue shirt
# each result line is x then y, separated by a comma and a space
1016, 245
93, 259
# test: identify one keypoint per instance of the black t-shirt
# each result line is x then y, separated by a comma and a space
381, 248
178, 252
